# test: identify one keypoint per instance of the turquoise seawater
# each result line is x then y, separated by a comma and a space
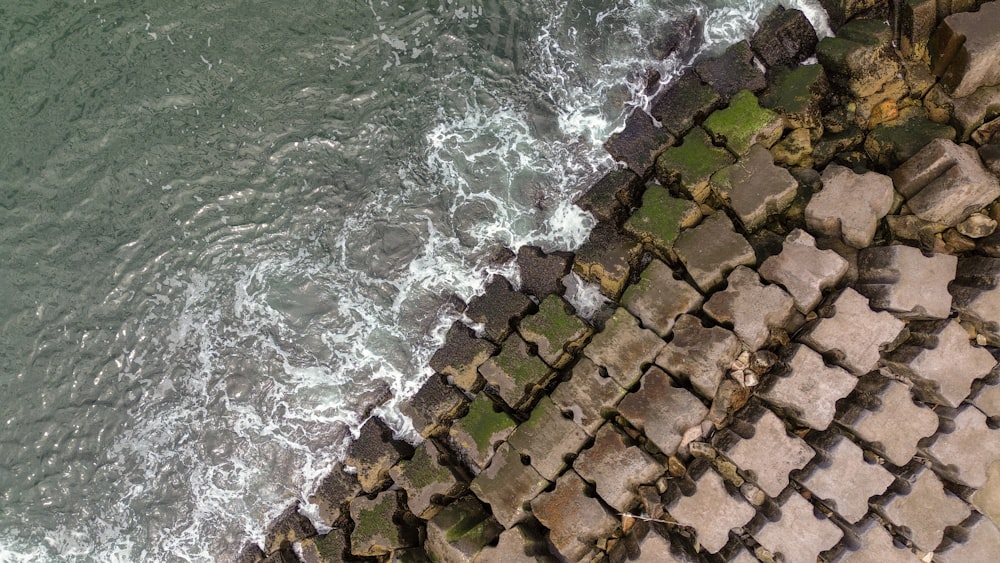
227, 226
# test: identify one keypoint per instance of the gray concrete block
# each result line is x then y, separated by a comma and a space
850, 205
658, 299
770, 454
459, 531
548, 438
712, 511
712, 249
798, 534
516, 545
623, 348
616, 468
977, 295
844, 480
875, 544
803, 270
902, 280
575, 521
809, 389
940, 362
965, 448
699, 355
587, 395
988, 400
987, 498
752, 308
755, 188
645, 408
945, 183
893, 424
855, 334
966, 47
508, 485
981, 543
924, 511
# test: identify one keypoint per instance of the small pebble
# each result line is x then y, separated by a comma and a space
702, 450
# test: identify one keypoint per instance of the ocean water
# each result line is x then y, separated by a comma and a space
228, 226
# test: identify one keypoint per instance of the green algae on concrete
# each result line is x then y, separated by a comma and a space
515, 372
798, 95
327, 548
555, 331
692, 163
661, 218
424, 478
460, 530
482, 427
375, 531
744, 123
892, 143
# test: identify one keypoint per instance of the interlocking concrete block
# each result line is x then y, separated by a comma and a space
508, 485
988, 400
890, 422
965, 448
940, 362
376, 529
798, 534
732, 71
474, 436
771, 453
516, 545
325, 548
850, 205
803, 270
712, 511
966, 48
288, 527
608, 200
744, 123
699, 355
541, 273
977, 295
844, 480
981, 543
924, 511
425, 480
855, 334
623, 348
547, 438
683, 102
945, 183
374, 452
616, 468
499, 308
460, 530
755, 188
515, 372
784, 38
659, 298
587, 395
333, 493
461, 355
875, 544
987, 498
607, 259
639, 143
555, 331
690, 165
712, 249
901, 279
654, 548
809, 389
436, 403
645, 410
575, 521
752, 308
660, 219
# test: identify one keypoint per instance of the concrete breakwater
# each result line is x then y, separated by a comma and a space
799, 355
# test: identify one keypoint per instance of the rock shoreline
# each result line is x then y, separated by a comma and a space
799, 355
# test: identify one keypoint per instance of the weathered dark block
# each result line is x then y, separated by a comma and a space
639, 143
374, 452
499, 308
333, 494
541, 273
287, 528
684, 102
461, 355
436, 403
732, 71
784, 38
611, 196
607, 259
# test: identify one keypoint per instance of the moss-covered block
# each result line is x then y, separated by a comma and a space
798, 95
328, 548
744, 123
515, 373
859, 59
661, 218
475, 435
460, 530
376, 525
555, 331
692, 163
425, 480
892, 143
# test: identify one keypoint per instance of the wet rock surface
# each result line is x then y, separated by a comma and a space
838, 402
